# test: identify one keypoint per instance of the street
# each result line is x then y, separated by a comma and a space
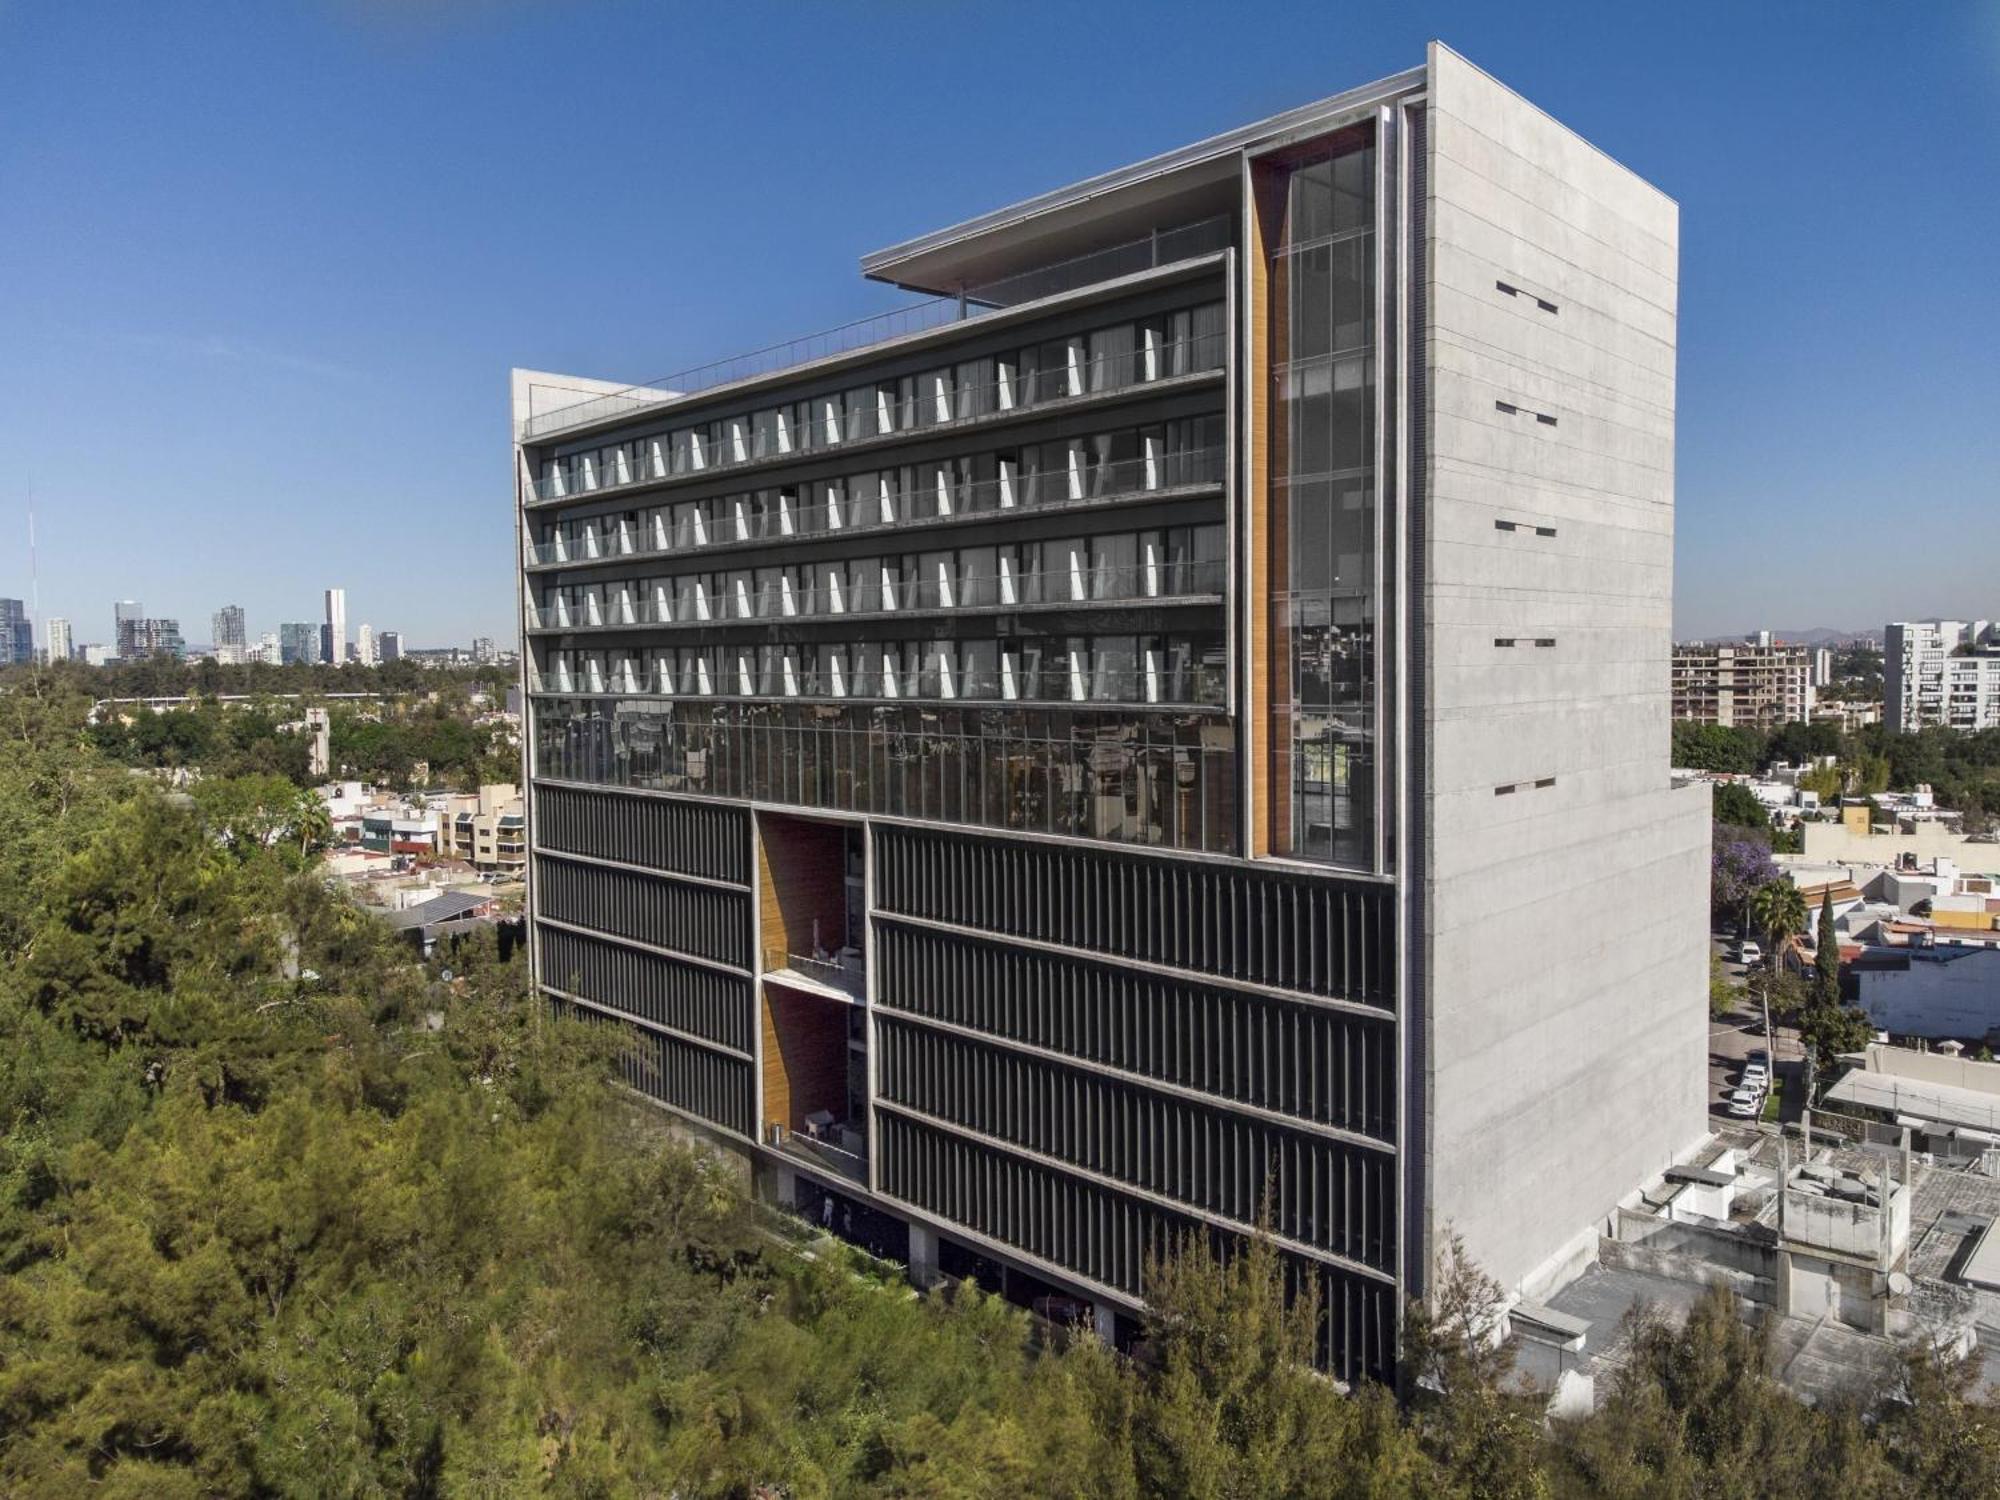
1733, 1037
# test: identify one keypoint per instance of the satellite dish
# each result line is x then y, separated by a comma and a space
1899, 1284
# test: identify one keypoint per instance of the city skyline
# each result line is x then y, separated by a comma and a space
310, 329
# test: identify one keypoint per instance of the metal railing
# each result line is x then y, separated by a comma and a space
1161, 248
943, 408
1194, 684
849, 979
786, 520
1074, 587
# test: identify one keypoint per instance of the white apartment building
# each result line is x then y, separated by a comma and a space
364, 645
61, 645
1941, 673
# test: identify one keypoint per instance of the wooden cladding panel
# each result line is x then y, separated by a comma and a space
805, 1057
802, 880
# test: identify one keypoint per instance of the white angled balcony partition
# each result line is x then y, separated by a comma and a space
1079, 676
1151, 466
593, 672
1006, 487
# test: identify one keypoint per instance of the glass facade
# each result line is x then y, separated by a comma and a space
1326, 595
1151, 778
1143, 351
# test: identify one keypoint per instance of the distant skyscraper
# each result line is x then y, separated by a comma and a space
334, 637
298, 640
125, 616
392, 645
61, 646
138, 639
94, 654
163, 638
17, 633
482, 650
364, 645
269, 649
227, 633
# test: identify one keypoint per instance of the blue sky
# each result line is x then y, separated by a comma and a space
264, 266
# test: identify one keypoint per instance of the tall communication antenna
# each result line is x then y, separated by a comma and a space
34, 570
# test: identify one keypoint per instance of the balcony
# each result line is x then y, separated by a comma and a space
1163, 584
1057, 678
842, 975
894, 419
1161, 249
1169, 476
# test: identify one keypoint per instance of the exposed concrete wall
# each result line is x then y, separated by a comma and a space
1831, 843
1568, 1060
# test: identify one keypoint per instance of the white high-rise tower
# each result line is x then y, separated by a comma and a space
333, 644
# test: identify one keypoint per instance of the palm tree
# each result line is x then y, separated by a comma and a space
1779, 908
311, 823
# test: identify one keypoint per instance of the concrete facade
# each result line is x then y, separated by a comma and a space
1546, 1027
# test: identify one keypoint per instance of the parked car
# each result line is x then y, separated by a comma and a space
1744, 1106
1749, 954
1757, 1057
1755, 1077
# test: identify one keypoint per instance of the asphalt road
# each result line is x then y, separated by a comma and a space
1731, 1039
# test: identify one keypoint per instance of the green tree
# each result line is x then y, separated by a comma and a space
1779, 911
1483, 1437
1737, 806
1826, 955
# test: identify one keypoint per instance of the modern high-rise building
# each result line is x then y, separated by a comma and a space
364, 645
138, 639
17, 634
62, 642
230, 639
269, 649
1140, 739
484, 652
126, 615
298, 641
1751, 684
333, 636
390, 643
1941, 674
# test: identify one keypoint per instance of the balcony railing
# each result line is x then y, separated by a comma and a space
1173, 684
954, 500
943, 409
845, 973
1055, 588
1162, 248
835, 1155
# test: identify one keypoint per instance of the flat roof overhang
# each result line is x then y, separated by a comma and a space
1181, 186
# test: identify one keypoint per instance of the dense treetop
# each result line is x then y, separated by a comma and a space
285, 1213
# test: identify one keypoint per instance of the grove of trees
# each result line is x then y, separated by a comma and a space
284, 1212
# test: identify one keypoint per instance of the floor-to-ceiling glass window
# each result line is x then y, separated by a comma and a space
1325, 595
